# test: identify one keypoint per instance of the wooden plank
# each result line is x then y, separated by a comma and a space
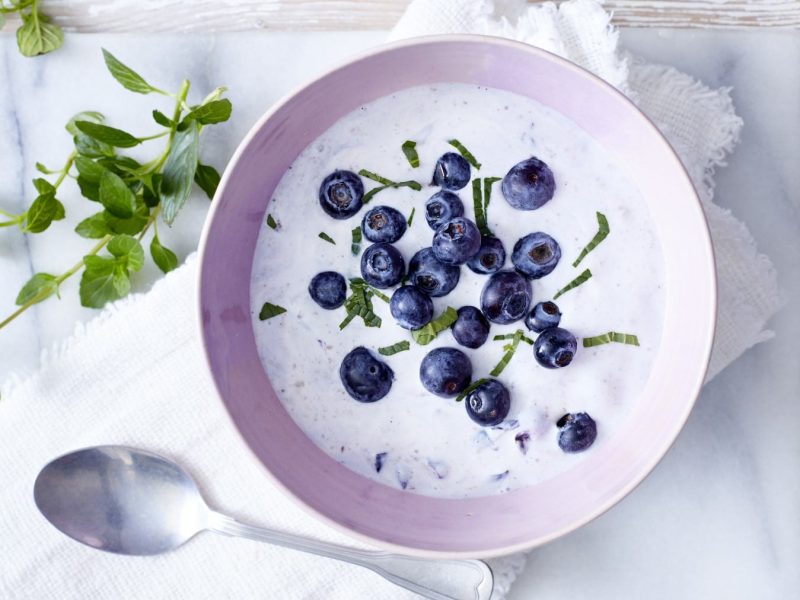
318, 15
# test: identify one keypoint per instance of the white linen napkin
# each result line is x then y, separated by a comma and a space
135, 375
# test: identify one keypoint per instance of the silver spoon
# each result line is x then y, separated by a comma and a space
129, 501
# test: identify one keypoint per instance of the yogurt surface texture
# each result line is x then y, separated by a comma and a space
427, 444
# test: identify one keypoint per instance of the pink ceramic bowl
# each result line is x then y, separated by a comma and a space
405, 521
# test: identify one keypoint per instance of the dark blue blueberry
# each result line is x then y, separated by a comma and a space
489, 258
543, 316
456, 241
576, 432
445, 372
451, 172
380, 458
340, 194
488, 403
506, 297
410, 307
441, 207
536, 255
382, 265
555, 348
432, 276
383, 224
365, 378
529, 184
328, 289
471, 328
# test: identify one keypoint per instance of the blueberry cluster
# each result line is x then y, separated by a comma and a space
434, 271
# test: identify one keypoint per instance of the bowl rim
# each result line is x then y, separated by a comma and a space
710, 267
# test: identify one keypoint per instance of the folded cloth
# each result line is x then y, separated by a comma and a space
136, 375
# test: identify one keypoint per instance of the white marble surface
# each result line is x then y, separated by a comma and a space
719, 517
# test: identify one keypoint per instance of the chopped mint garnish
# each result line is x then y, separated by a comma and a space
270, 310
271, 222
410, 150
326, 237
465, 153
425, 335
611, 336
583, 277
395, 348
601, 234
355, 245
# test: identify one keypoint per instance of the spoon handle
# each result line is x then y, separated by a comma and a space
435, 579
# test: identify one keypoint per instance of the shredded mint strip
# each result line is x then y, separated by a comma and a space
425, 335
327, 238
510, 350
465, 153
585, 276
271, 222
385, 183
411, 216
477, 205
410, 150
355, 245
611, 336
395, 348
488, 182
270, 310
359, 304
372, 290
471, 388
510, 336
601, 234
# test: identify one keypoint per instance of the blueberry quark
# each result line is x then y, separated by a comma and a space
445, 372
506, 297
341, 194
442, 207
536, 255
431, 275
452, 171
555, 348
576, 432
383, 224
410, 307
328, 289
529, 184
489, 403
543, 315
364, 377
382, 265
456, 241
471, 328
490, 256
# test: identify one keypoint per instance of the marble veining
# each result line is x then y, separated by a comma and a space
718, 517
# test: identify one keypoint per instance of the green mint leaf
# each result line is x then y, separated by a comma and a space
477, 205
359, 304
602, 232
107, 135
115, 196
271, 223
88, 146
327, 238
395, 348
425, 335
207, 178
43, 211
121, 165
104, 279
88, 169
355, 244
582, 278
38, 36
43, 186
89, 189
465, 153
129, 78
411, 216
215, 94
509, 354
162, 119
94, 227
151, 193
164, 258
410, 151
178, 172
37, 288
128, 250
511, 336
611, 336
216, 111
270, 310
91, 116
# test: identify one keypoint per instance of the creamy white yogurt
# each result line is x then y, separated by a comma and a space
431, 445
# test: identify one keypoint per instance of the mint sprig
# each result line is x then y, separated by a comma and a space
131, 194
